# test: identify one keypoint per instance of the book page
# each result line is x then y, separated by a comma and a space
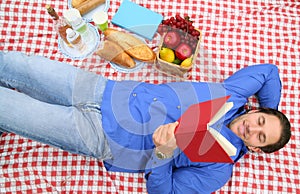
223, 110
226, 145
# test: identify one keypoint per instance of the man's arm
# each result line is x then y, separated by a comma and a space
260, 80
190, 179
163, 177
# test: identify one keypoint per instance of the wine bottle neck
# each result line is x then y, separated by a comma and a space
52, 13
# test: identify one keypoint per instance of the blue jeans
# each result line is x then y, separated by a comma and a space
53, 103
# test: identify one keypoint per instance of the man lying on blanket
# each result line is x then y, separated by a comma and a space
130, 125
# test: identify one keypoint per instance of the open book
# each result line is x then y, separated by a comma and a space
196, 137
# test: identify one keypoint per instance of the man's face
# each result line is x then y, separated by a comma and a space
257, 129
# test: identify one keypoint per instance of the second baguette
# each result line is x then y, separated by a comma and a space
135, 47
114, 53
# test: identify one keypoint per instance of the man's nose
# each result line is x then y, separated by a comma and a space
254, 130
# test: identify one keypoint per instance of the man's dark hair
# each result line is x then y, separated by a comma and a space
285, 132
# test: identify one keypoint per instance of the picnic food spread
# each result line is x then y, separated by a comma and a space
179, 41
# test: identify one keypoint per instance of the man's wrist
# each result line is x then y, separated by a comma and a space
161, 155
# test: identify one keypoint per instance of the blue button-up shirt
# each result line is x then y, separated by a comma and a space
132, 111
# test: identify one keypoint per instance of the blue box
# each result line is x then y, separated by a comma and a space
137, 19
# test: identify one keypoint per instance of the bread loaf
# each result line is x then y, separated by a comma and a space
76, 3
88, 5
132, 45
114, 53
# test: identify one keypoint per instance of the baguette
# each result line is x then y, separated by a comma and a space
76, 3
114, 53
133, 46
88, 5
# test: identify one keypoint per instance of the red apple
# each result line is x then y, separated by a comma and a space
183, 51
171, 39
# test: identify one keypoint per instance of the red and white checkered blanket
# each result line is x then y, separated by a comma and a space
235, 34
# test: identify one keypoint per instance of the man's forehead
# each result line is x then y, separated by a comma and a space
273, 128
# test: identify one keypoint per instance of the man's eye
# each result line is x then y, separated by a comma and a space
262, 138
261, 121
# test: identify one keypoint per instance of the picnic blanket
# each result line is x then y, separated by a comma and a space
235, 34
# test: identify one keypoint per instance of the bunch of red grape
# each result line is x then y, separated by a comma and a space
178, 22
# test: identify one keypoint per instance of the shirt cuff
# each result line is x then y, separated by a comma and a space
160, 167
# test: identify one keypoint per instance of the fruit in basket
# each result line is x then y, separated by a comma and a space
172, 39
183, 51
177, 61
186, 62
181, 37
167, 54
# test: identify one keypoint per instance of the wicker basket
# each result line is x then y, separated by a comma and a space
174, 69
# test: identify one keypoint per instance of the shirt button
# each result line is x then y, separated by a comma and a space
154, 99
134, 94
178, 107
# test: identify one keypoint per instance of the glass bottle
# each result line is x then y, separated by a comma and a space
60, 24
75, 39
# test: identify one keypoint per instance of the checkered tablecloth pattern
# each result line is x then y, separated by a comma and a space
236, 33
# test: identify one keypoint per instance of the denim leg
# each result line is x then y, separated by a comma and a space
49, 81
76, 129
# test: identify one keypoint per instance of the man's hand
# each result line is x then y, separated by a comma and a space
164, 138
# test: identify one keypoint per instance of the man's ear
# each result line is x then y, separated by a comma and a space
254, 149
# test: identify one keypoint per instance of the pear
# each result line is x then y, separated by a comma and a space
186, 62
167, 54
